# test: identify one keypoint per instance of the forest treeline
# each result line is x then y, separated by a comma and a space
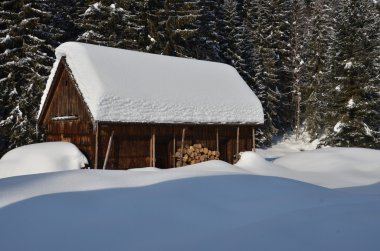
314, 64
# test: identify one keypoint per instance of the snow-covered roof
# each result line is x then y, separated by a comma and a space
128, 86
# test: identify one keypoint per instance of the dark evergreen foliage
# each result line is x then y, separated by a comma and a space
355, 74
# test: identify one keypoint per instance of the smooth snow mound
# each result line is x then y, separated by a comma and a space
334, 167
253, 162
328, 167
41, 158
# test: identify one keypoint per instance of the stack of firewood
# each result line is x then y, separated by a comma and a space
195, 154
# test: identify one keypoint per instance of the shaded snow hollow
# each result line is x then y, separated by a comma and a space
128, 86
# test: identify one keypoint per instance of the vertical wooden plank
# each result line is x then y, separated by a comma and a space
217, 139
108, 151
237, 142
97, 145
174, 150
182, 144
154, 147
253, 140
151, 150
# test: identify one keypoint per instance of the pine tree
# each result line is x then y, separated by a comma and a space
355, 109
180, 29
208, 36
318, 70
232, 44
105, 23
282, 18
155, 16
265, 73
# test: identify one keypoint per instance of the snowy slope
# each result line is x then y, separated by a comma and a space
211, 206
128, 86
41, 158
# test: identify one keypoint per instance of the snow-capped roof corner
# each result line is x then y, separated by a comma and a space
128, 86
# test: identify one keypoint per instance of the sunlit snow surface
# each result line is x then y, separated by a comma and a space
208, 206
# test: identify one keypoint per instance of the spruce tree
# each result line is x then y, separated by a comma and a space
265, 72
281, 45
318, 68
104, 23
180, 29
232, 45
355, 109
208, 36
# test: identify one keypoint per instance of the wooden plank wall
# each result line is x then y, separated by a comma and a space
131, 143
66, 101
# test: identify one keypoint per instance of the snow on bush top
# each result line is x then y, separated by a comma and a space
128, 86
41, 158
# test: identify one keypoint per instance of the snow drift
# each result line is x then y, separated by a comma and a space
328, 167
210, 206
335, 167
41, 158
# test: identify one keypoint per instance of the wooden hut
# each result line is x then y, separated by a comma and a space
125, 109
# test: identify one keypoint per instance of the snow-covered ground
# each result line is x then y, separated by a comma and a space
208, 206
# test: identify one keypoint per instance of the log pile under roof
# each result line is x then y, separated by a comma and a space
195, 154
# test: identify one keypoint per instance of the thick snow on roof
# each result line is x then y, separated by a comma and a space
128, 86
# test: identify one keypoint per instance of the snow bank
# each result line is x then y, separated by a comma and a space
328, 167
335, 167
211, 206
41, 158
86, 180
128, 86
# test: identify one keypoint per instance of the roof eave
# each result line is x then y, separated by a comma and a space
255, 124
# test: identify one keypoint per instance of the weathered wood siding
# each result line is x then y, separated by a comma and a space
66, 101
131, 143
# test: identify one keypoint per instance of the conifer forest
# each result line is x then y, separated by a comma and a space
314, 64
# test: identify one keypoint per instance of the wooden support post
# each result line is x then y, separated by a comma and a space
151, 150
182, 144
253, 140
108, 151
237, 142
217, 139
154, 147
174, 151
96, 146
